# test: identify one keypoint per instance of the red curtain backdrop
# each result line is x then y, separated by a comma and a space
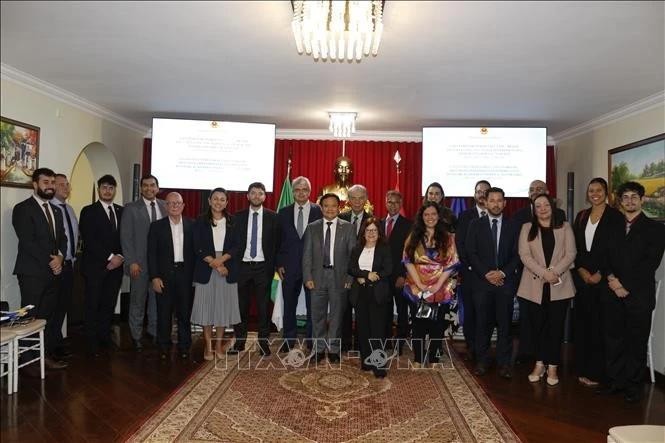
373, 166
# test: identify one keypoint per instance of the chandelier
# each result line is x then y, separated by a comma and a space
337, 29
342, 124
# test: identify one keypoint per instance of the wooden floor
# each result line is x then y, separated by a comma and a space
107, 398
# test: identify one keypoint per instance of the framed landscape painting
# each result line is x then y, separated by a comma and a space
643, 162
19, 153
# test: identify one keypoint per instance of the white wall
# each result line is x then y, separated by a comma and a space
64, 131
586, 156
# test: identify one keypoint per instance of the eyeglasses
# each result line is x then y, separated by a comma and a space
630, 197
371, 231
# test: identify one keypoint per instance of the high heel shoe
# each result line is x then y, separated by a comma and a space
552, 381
537, 373
208, 355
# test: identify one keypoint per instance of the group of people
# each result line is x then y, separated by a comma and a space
352, 264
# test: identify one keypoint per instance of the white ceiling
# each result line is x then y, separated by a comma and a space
556, 64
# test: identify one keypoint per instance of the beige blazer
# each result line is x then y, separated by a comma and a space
533, 257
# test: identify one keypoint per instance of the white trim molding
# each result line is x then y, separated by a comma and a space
632, 109
316, 134
26, 80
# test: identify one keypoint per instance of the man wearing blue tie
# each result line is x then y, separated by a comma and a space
62, 191
293, 221
257, 230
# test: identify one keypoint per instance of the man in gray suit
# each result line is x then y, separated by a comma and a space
327, 249
134, 227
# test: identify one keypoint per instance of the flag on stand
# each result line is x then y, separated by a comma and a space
285, 199
398, 159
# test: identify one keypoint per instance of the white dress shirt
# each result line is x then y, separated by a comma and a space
305, 215
589, 233
178, 237
259, 236
333, 231
366, 259
219, 234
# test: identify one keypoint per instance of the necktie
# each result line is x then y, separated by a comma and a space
70, 230
153, 212
355, 223
495, 236
255, 232
389, 228
51, 227
483, 213
326, 246
300, 223
114, 223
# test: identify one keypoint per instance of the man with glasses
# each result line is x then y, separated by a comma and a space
632, 264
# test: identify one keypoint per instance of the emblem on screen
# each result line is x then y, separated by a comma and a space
213, 124
483, 131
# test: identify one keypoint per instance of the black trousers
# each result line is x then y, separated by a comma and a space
435, 329
63, 302
371, 325
42, 292
469, 321
349, 335
252, 279
291, 292
101, 296
494, 306
589, 331
628, 325
547, 322
176, 296
404, 314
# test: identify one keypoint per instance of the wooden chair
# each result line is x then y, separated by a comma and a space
28, 337
8, 357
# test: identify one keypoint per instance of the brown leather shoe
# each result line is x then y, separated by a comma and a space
49, 363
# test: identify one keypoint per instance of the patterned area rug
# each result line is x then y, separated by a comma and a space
284, 399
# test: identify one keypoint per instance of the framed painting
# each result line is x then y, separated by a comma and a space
19, 153
643, 162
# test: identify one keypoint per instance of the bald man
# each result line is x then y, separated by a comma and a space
536, 188
171, 268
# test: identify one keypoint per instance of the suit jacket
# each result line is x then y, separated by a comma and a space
312, 260
160, 249
100, 240
35, 242
524, 215
204, 246
398, 236
348, 216
463, 223
291, 246
610, 227
382, 265
634, 258
480, 252
269, 240
134, 233
533, 257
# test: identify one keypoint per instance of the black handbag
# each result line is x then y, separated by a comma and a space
426, 311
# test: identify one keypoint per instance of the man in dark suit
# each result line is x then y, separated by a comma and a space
525, 214
293, 221
356, 216
62, 191
491, 249
396, 229
258, 233
325, 263
171, 269
42, 245
101, 263
633, 261
464, 290
136, 220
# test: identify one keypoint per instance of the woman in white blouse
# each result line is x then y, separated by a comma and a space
371, 266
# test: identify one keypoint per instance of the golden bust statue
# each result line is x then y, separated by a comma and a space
343, 173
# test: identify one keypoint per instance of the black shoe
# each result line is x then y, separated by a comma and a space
163, 355
62, 353
608, 390
285, 348
380, 373
365, 367
632, 397
236, 349
505, 372
333, 358
480, 370
184, 355
50, 363
138, 346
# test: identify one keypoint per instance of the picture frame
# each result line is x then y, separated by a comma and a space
644, 162
19, 153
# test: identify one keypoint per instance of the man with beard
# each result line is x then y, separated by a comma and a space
491, 250
134, 229
42, 245
257, 231
633, 260
464, 290
101, 263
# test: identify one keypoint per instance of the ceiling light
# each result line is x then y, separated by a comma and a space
342, 124
337, 29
